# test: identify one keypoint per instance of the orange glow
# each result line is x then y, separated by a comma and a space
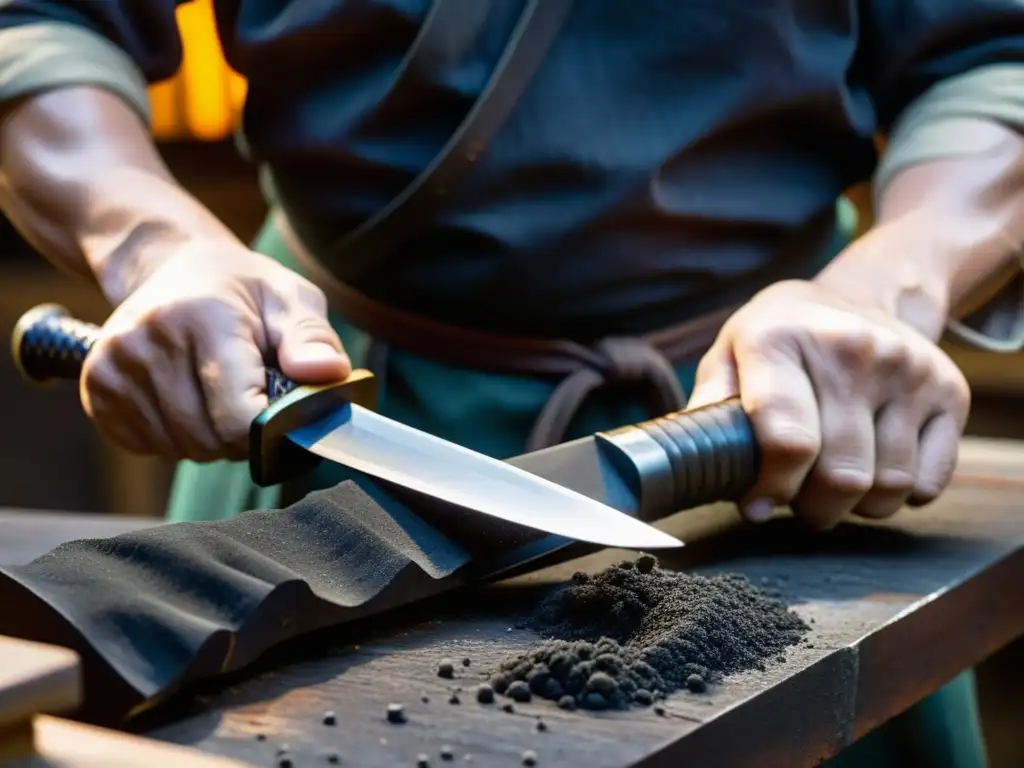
203, 100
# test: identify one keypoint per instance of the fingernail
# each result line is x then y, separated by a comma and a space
759, 510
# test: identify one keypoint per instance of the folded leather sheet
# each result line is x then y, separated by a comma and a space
154, 610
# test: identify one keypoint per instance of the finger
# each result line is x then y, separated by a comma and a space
716, 378
780, 402
937, 456
845, 469
897, 431
120, 410
182, 406
232, 378
131, 423
308, 349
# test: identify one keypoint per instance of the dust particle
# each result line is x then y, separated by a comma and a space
659, 710
330, 718
466, 662
396, 713
529, 757
425, 699
509, 707
261, 737
635, 628
696, 684
485, 694
519, 691
333, 758
454, 699
447, 753
541, 726
285, 762
422, 761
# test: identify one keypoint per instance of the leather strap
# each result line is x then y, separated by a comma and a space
449, 29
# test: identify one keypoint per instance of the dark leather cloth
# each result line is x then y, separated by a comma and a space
153, 610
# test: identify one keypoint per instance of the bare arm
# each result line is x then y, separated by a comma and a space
83, 182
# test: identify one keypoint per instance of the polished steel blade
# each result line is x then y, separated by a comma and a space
388, 450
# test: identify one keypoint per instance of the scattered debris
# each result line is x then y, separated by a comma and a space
509, 707
541, 726
330, 718
529, 757
396, 713
659, 710
519, 691
454, 699
447, 753
446, 669
422, 761
635, 632
485, 694
466, 662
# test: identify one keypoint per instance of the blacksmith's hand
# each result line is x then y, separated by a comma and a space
855, 411
179, 371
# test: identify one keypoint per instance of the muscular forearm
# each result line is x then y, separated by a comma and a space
976, 201
945, 229
81, 179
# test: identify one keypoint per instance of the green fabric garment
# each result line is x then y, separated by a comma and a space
493, 414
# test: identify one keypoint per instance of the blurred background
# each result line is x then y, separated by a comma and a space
50, 457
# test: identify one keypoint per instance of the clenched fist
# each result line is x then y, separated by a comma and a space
179, 370
854, 410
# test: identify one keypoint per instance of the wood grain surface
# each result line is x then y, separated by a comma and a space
36, 678
877, 595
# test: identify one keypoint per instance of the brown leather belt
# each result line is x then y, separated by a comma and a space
644, 362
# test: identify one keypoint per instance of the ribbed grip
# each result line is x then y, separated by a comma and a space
688, 458
49, 344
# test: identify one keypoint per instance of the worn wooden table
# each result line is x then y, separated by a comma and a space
897, 609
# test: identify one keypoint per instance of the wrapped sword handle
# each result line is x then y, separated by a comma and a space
49, 344
688, 458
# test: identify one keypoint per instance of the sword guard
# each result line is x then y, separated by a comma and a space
273, 458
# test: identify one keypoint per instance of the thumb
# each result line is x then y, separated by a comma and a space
310, 352
716, 379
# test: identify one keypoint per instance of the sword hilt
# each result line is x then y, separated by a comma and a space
688, 458
49, 344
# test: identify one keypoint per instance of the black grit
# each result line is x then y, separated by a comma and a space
635, 632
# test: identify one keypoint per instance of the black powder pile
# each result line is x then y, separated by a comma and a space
634, 632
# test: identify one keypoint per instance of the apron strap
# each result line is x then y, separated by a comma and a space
628, 361
450, 26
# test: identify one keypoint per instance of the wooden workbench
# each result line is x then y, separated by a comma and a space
897, 609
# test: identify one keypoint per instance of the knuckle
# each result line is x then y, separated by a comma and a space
855, 348
956, 392
893, 481
845, 480
788, 442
